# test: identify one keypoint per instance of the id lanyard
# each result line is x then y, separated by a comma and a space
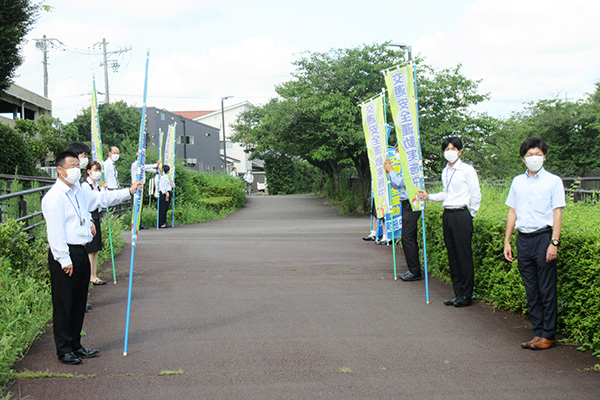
449, 181
77, 210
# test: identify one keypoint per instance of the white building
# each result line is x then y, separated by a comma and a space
236, 155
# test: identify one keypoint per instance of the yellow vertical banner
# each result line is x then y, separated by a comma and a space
400, 85
376, 139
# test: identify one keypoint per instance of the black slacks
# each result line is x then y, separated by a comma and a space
69, 297
540, 280
164, 207
458, 234
410, 229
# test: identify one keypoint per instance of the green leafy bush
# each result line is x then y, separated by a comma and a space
499, 282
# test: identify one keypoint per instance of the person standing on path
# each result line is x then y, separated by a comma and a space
66, 209
461, 199
164, 187
110, 171
93, 175
536, 200
410, 226
249, 179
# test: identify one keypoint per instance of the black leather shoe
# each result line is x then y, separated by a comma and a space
369, 238
69, 358
86, 353
410, 277
463, 301
88, 307
451, 302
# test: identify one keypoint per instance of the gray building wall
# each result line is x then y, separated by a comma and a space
200, 149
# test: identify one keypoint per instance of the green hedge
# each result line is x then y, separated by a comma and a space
498, 282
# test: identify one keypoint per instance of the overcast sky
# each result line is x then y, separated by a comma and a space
200, 51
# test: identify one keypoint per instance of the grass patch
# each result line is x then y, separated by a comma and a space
165, 373
47, 374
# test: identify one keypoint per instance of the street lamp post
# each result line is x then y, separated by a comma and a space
404, 46
224, 137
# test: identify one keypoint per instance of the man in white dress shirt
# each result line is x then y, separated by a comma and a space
66, 209
110, 172
461, 200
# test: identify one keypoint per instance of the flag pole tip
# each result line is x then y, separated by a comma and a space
115, 282
396, 278
125, 354
427, 302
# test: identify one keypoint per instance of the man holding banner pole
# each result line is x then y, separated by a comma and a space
410, 220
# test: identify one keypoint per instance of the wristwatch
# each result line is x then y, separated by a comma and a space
555, 242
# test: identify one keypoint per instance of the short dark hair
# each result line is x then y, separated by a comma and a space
60, 158
531, 143
454, 141
78, 148
166, 169
93, 164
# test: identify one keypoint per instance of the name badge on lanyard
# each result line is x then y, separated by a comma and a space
83, 229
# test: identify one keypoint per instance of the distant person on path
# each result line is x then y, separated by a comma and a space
110, 172
410, 226
164, 187
234, 172
66, 209
249, 179
461, 199
91, 181
536, 200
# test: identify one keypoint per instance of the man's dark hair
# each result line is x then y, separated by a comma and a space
78, 148
531, 143
60, 158
166, 169
454, 141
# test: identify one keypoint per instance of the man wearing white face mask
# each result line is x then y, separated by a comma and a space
536, 200
83, 152
110, 172
461, 200
66, 209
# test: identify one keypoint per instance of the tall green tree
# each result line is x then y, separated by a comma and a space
118, 121
317, 115
16, 20
44, 137
15, 156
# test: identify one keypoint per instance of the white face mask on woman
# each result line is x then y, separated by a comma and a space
534, 163
451, 156
96, 175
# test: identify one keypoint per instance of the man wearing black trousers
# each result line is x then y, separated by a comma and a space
461, 199
410, 220
66, 209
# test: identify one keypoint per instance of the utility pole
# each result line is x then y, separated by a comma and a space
44, 44
113, 63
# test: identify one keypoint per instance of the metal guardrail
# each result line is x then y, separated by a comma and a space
24, 215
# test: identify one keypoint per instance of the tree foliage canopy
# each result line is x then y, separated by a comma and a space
16, 20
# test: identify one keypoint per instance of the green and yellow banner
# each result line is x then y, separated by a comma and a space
375, 136
400, 85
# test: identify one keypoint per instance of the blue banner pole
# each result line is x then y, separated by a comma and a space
421, 178
137, 199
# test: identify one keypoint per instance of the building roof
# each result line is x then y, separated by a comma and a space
193, 114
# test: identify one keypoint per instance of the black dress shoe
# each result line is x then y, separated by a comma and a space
88, 307
410, 277
463, 301
69, 358
86, 353
451, 302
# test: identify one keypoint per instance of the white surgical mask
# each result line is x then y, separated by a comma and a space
451, 156
534, 163
73, 175
96, 175
83, 162
114, 157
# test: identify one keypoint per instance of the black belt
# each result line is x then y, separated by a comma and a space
538, 232
77, 245
455, 209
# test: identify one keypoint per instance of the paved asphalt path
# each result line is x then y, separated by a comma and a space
283, 300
